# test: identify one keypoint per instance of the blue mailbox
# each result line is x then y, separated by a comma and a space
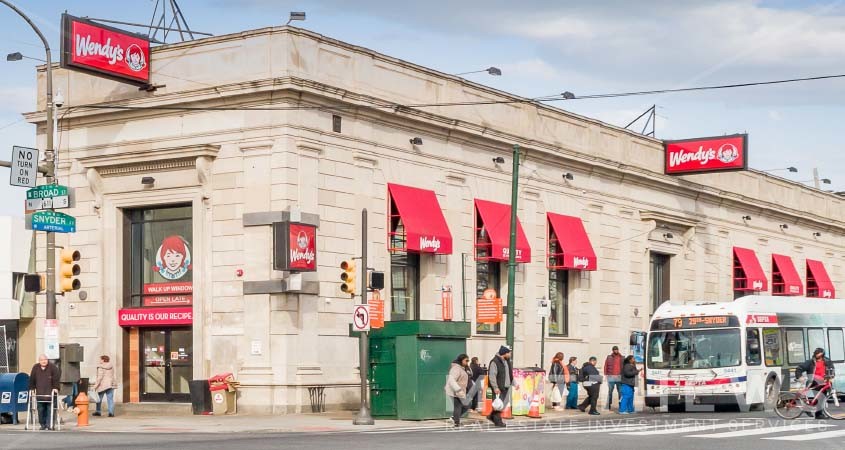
14, 393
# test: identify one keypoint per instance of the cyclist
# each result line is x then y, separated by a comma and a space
820, 368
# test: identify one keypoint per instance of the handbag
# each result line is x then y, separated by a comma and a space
556, 397
498, 404
93, 396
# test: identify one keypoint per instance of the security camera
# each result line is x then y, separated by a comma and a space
59, 99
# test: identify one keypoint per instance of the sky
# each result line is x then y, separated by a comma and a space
546, 48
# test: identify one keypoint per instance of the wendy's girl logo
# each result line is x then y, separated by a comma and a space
173, 258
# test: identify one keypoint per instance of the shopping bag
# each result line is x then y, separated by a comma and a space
93, 396
498, 404
556, 397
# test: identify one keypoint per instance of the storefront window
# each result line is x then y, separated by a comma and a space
559, 304
160, 272
404, 286
487, 276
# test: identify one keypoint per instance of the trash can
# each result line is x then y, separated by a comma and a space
200, 397
223, 389
14, 393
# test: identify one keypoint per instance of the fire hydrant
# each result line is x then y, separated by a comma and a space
81, 409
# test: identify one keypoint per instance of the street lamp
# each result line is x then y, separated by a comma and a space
788, 169
296, 15
495, 71
17, 56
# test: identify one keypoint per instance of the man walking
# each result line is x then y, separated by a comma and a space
613, 372
44, 380
500, 374
591, 380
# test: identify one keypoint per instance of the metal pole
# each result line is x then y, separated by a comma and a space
464, 284
816, 178
364, 417
49, 158
512, 251
542, 341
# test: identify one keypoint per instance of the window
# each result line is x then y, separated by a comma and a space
404, 286
160, 264
659, 287
694, 349
17, 285
815, 339
752, 351
336, 123
771, 346
795, 350
488, 275
836, 351
559, 303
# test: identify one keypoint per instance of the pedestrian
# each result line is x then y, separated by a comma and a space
559, 377
44, 380
591, 379
477, 372
574, 373
500, 374
628, 385
105, 384
456, 387
613, 372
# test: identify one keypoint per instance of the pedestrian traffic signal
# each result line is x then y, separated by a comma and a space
34, 282
69, 270
347, 277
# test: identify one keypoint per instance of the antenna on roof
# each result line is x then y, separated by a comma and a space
174, 23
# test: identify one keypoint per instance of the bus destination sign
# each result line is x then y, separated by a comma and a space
677, 323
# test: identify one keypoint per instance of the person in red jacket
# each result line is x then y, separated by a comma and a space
613, 373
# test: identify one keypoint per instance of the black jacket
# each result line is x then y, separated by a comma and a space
809, 367
501, 366
477, 371
574, 373
588, 370
556, 372
629, 374
43, 381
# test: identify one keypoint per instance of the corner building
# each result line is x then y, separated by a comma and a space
174, 208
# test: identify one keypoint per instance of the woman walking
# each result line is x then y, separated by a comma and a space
574, 374
105, 385
559, 377
456, 387
629, 381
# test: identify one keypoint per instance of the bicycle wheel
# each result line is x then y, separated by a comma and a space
834, 406
789, 405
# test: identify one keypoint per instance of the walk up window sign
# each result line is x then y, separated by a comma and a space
105, 51
708, 154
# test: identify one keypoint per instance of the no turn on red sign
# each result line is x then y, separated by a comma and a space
361, 318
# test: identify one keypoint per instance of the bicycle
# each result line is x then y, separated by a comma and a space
792, 404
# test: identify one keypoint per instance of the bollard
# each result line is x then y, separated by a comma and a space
82, 410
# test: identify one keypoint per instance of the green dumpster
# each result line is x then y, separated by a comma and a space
409, 361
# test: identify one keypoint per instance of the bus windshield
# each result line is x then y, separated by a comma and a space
694, 349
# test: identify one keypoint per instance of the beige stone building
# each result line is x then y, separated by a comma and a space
245, 128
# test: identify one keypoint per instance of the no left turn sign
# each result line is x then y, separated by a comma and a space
361, 318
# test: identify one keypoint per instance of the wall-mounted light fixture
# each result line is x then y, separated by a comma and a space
817, 234
783, 226
668, 235
568, 176
746, 218
499, 160
416, 141
148, 181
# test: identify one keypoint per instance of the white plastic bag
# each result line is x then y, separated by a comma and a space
556, 397
498, 404
93, 396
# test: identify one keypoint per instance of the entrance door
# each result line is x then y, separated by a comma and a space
168, 364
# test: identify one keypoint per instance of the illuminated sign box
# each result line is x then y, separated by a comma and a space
709, 154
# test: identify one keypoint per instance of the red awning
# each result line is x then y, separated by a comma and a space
495, 219
424, 228
785, 279
818, 282
569, 245
748, 273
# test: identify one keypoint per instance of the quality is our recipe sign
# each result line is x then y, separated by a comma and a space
146, 317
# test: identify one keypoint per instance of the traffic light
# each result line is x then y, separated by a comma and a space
34, 282
348, 277
69, 270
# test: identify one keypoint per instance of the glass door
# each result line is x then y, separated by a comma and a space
167, 364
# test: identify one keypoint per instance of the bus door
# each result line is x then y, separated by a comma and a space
756, 372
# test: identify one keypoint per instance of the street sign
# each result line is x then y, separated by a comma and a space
544, 310
376, 309
51, 338
48, 196
361, 318
53, 221
24, 168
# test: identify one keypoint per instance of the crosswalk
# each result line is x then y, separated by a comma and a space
711, 429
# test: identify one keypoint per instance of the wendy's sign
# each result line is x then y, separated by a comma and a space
105, 51
710, 154
294, 247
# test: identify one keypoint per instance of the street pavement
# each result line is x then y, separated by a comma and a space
644, 431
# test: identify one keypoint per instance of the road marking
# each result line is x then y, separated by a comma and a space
766, 430
810, 436
686, 429
601, 429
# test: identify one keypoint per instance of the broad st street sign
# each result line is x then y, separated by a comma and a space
46, 197
53, 221
24, 168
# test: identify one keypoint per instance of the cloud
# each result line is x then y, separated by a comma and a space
17, 99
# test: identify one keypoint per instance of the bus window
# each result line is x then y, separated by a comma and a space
815, 339
796, 353
752, 350
837, 345
771, 346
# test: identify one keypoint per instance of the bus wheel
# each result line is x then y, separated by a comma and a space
771, 393
677, 407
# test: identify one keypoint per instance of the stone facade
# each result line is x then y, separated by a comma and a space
228, 163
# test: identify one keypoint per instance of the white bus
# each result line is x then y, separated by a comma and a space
740, 352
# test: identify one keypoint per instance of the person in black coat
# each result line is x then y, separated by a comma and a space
591, 380
44, 380
477, 371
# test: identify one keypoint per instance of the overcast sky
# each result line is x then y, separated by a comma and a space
545, 48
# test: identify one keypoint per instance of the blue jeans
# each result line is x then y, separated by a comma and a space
611, 385
572, 397
626, 402
44, 407
109, 395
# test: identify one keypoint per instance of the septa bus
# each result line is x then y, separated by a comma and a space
741, 352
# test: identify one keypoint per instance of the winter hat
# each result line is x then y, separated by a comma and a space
504, 350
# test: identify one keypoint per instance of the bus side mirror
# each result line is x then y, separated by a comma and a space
633, 339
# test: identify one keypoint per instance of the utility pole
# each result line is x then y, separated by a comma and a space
364, 417
49, 165
512, 250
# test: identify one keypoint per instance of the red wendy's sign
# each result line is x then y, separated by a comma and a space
294, 247
150, 317
106, 51
710, 154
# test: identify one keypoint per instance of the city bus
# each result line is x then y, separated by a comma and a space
742, 352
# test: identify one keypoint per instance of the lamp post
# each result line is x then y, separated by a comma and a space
49, 164
495, 71
512, 250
